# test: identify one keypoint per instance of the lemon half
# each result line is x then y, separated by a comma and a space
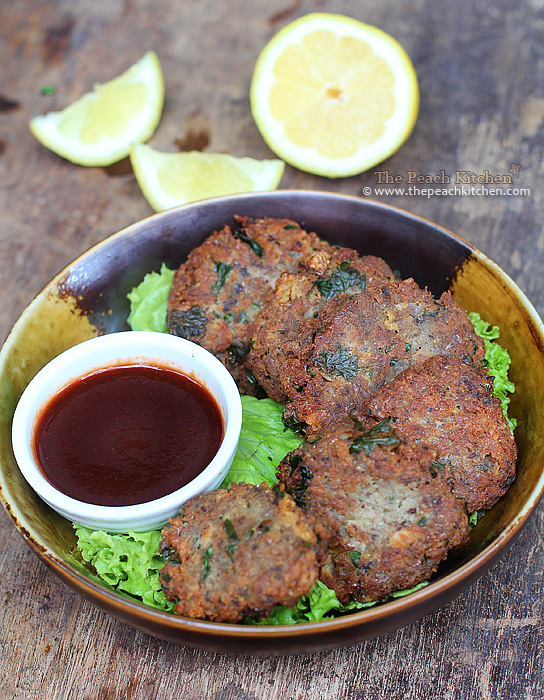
171, 179
100, 128
334, 96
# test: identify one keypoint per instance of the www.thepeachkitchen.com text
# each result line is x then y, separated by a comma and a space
459, 183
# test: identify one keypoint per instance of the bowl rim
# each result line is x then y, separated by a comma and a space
436, 590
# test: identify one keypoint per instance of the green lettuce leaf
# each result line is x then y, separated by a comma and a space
130, 562
322, 603
264, 442
497, 361
148, 301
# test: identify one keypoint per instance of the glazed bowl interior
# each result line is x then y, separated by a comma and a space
89, 298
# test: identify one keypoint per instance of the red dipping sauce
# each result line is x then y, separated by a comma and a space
127, 434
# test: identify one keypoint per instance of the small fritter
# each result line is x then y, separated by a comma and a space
238, 552
391, 518
285, 326
450, 406
364, 340
218, 291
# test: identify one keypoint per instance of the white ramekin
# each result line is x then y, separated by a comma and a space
127, 347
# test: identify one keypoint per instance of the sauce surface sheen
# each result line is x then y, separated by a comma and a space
127, 434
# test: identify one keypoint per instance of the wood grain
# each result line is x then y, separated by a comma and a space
481, 73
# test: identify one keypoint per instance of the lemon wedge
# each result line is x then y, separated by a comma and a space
170, 179
333, 96
100, 127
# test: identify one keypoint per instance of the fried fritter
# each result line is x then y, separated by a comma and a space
238, 552
218, 291
285, 326
361, 341
391, 518
449, 405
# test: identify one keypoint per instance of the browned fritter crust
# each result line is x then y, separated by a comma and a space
450, 406
361, 341
218, 291
284, 327
238, 552
391, 518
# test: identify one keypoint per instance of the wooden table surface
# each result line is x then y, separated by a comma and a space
481, 72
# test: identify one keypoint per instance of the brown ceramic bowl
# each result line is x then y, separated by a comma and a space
89, 297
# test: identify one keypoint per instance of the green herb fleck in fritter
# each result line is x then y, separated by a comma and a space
186, 324
340, 362
256, 247
222, 270
380, 434
206, 563
233, 538
341, 280
299, 492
